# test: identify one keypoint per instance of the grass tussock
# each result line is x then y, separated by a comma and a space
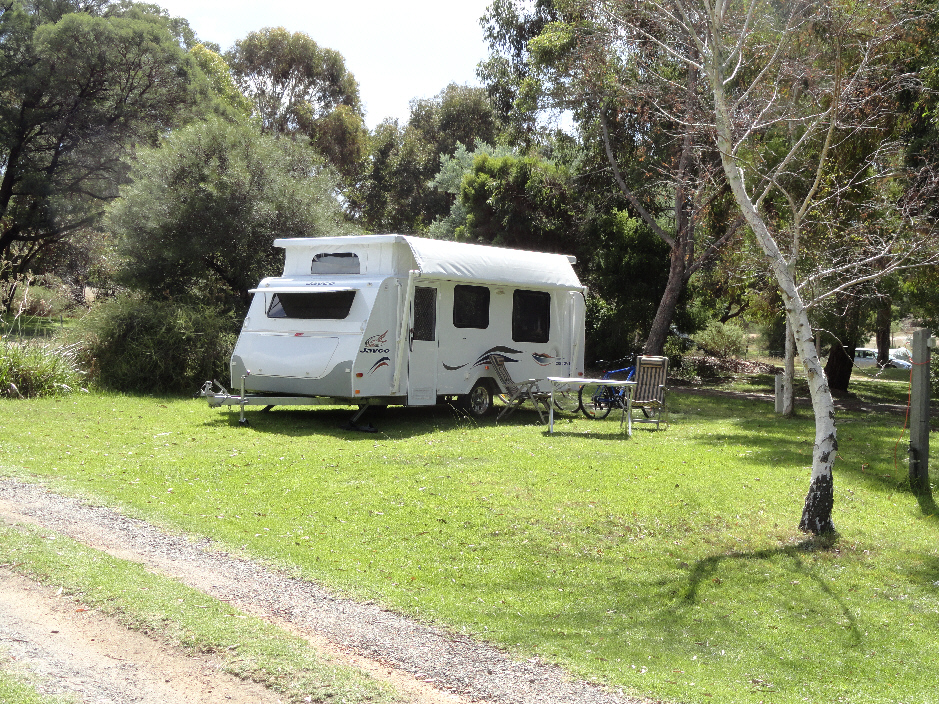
34, 368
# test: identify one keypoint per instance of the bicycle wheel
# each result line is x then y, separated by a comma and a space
566, 401
596, 400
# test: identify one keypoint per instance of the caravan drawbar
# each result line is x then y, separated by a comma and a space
401, 320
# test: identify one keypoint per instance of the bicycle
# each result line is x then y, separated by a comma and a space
597, 400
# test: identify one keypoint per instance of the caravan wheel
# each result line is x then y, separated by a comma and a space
479, 400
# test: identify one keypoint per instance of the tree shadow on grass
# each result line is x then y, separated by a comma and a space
756, 604
927, 503
703, 572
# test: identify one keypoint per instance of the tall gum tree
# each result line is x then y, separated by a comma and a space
664, 165
83, 83
299, 87
807, 78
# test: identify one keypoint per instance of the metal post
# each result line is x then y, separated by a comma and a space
919, 411
241, 418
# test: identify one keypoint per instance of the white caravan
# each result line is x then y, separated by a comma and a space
393, 319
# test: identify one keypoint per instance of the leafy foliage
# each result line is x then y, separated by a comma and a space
219, 76
81, 83
298, 87
203, 210
140, 344
394, 194
520, 202
722, 340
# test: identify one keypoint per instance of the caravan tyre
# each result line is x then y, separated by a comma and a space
479, 400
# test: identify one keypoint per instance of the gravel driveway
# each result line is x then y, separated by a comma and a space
426, 664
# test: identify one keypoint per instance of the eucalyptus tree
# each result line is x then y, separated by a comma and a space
82, 84
805, 78
651, 134
299, 87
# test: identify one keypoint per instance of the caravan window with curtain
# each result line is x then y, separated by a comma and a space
470, 307
335, 263
531, 316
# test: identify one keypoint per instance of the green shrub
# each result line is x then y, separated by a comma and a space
674, 349
29, 369
722, 340
609, 334
138, 344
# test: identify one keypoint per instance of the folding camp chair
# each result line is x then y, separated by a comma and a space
649, 393
517, 393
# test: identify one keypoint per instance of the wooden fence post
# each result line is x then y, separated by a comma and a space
919, 411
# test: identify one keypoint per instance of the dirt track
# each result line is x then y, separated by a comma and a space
70, 650
425, 665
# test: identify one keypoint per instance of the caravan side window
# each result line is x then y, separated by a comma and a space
335, 263
319, 305
531, 316
470, 307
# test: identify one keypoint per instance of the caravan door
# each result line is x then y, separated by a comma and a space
422, 360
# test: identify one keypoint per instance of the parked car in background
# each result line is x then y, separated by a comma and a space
899, 363
865, 357
901, 353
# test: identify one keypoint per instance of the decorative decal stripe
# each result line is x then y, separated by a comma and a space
484, 357
383, 362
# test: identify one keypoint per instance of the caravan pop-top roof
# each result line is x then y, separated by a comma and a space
450, 260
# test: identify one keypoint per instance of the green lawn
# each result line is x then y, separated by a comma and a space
890, 386
30, 326
668, 564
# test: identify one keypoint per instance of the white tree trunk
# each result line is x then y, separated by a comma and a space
816, 514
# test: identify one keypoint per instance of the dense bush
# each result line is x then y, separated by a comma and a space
29, 369
722, 340
675, 348
606, 335
138, 344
